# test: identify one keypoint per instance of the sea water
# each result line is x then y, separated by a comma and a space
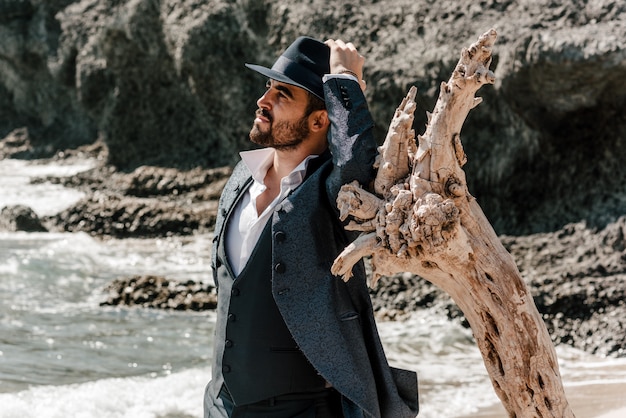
64, 355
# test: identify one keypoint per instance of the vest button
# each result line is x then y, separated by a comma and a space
280, 236
226, 368
232, 317
280, 268
228, 343
224, 212
235, 291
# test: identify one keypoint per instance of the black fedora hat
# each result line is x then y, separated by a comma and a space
303, 64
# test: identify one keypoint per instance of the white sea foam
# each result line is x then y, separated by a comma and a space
452, 378
44, 199
181, 258
178, 395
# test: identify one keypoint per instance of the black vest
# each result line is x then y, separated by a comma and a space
261, 359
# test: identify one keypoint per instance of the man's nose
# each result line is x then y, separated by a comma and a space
263, 102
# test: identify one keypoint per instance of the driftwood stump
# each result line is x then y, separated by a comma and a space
421, 218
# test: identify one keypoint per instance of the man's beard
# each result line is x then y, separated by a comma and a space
281, 135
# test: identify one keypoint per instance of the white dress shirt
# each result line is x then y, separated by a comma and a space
245, 225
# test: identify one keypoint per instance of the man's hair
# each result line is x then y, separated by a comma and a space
314, 103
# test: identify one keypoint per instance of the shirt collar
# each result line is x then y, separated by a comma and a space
260, 160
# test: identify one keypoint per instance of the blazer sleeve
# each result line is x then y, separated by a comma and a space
351, 138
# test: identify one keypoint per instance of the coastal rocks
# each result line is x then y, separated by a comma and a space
564, 88
20, 218
15, 144
35, 92
163, 84
154, 79
577, 277
148, 202
159, 292
588, 314
123, 217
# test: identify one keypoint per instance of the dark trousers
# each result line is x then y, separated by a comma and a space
322, 404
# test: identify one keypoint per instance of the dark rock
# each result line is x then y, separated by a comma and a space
123, 217
149, 202
15, 144
397, 296
159, 292
20, 218
15, 9
577, 278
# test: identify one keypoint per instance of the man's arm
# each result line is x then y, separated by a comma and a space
350, 138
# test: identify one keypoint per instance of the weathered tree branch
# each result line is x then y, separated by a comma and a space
421, 218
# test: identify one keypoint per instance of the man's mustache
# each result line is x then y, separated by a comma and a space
265, 114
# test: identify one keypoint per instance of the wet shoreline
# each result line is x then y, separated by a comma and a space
596, 400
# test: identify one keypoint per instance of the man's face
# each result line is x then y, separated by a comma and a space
281, 121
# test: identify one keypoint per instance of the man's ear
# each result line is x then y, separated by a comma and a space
318, 120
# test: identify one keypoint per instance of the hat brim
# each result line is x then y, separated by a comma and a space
275, 75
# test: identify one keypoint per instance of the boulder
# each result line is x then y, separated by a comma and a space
160, 292
148, 202
20, 218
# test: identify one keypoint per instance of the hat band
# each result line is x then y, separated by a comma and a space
300, 75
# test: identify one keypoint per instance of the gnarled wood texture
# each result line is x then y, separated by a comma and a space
421, 218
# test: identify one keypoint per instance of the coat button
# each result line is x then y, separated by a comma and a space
228, 343
232, 317
218, 263
224, 212
280, 236
345, 97
226, 368
235, 291
280, 268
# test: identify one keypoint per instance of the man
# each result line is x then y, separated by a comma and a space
291, 340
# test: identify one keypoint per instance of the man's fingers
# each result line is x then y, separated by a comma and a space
340, 44
351, 46
344, 57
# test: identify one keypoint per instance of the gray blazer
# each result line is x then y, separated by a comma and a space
331, 321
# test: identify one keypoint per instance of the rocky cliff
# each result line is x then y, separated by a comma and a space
162, 82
